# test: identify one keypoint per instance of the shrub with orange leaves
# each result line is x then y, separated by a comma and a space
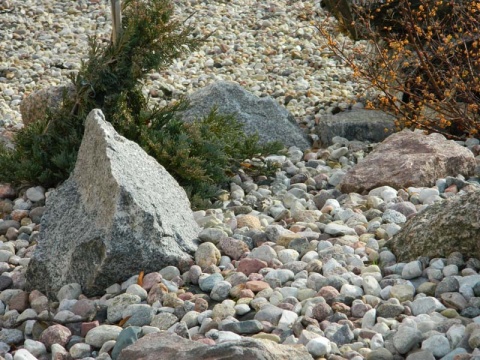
424, 60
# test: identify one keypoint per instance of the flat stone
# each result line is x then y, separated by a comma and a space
244, 327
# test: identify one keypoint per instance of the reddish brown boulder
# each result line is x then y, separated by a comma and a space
165, 346
409, 159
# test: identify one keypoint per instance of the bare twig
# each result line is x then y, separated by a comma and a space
117, 20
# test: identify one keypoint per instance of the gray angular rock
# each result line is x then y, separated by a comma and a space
263, 115
361, 124
164, 346
442, 228
119, 213
408, 158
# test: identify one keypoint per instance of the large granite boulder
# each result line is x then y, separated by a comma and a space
262, 115
166, 346
444, 227
362, 125
409, 158
120, 212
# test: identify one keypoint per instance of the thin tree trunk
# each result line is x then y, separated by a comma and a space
117, 20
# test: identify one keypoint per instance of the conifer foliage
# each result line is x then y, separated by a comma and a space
199, 155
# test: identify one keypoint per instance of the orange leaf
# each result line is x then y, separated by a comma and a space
123, 321
140, 278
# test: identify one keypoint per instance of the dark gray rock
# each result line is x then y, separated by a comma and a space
119, 213
164, 346
363, 125
263, 115
442, 228
244, 327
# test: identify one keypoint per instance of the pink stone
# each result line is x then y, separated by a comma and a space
257, 286
328, 293
452, 189
151, 279
246, 293
85, 308
18, 215
206, 341
255, 276
7, 191
233, 247
19, 302
321, 311
297, 228
248, 266
156, 293
310, 156
186, 296
55, 334
87, 326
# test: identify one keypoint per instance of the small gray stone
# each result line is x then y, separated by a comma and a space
127, 337
421, 355
169, 272
438, 345
80, 351
412, 270
36, 348
213, 235
137, 290
220, 291
380, 354
11, 336
164, 320
336, 229
207, 283
392, 216
35, 194
140, 314
269, 313
426, 305
101, 334
319, 346
119, 304
448, 284
406, 338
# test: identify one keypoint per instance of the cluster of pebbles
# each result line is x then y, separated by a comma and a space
288, 258
271, 48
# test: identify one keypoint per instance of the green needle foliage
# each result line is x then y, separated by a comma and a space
200, 155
